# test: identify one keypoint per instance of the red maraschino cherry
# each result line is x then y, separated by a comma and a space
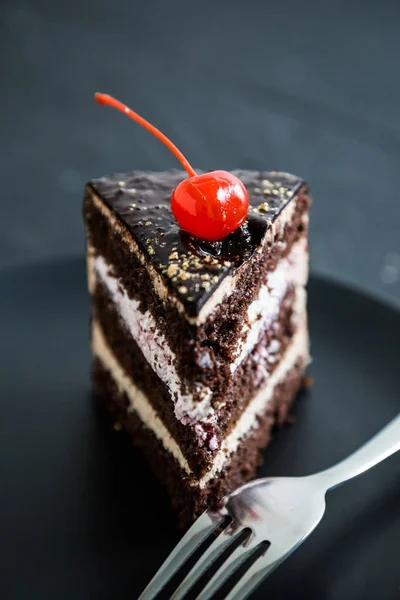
209, 206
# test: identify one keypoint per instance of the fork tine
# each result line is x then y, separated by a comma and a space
259, 570
197, 534
263, 566
217, 547
250, 580
226, 569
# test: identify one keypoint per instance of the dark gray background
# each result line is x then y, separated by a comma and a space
308, 87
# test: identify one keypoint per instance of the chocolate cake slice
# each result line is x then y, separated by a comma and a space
199, 347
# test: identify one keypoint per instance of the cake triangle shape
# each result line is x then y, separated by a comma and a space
192, 269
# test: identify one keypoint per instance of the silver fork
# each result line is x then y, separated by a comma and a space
264, 521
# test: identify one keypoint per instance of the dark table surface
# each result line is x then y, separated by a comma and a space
309, 87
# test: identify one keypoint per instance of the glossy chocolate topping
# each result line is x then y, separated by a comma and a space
190, 267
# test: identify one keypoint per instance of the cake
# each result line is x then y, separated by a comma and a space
199, 347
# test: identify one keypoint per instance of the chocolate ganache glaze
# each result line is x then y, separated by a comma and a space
192, 268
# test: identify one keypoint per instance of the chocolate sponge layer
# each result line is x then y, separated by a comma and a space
190, 500
233, 393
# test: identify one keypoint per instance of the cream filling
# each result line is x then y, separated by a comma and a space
142, 326
138, 402
290, 271
298, 350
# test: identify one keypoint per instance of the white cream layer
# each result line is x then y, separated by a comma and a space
138, 402
143, 328
290, 271
297, 351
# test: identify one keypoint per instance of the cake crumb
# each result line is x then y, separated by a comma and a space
308, 381
117, 426
172, 269
174, 255
151, 250
148, 223
182, 289
264, 207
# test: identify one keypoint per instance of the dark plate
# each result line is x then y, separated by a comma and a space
83, 518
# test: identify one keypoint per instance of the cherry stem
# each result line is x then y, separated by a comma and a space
107, 100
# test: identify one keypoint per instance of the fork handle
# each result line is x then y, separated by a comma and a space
382, 445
